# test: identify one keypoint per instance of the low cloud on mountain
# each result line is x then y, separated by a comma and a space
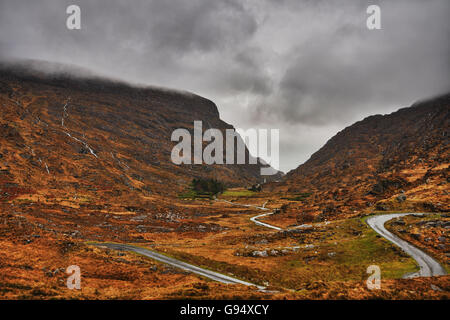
307, 67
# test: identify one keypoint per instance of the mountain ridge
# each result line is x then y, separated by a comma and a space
369, 161
68, 135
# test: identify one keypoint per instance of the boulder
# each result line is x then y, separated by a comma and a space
258, 253
274, 252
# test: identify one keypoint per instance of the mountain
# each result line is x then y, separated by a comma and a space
394, 161
65, 132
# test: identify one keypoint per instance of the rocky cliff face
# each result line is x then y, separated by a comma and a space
383, 161
85, 135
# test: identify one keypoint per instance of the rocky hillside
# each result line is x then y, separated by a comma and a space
395, 161
61, 134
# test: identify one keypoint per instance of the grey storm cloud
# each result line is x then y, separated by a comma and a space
345, 69
308, 67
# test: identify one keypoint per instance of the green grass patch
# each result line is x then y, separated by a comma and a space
356, 247
239, 193
369, 249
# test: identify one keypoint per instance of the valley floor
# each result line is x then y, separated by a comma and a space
319, 260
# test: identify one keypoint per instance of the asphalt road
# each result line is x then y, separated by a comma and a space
177, 263
428, 266
255, 218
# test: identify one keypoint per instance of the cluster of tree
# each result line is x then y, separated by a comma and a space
208, 186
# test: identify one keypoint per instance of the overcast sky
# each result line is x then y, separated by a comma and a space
307, 67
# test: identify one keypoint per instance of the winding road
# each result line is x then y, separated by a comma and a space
189, 267
254, 219
177, 263
428, 266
